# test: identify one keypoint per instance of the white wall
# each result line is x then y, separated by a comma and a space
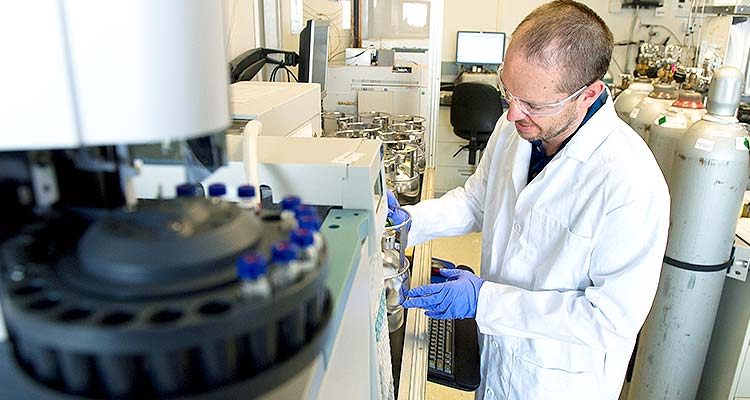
242, 24
505, 15
239, 26
332, 11
487, 15
469, 15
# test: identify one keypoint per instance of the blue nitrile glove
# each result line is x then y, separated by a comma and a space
396, 215
455, 299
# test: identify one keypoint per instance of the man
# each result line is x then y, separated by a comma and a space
574, 216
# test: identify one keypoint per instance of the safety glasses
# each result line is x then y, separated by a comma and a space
531, 108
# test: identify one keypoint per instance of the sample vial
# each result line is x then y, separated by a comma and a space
246, 194
217, 190
312, 223
288, 218
283, 273
252, 269
308, 259
260, 343
284, 269
186, 190
304, 209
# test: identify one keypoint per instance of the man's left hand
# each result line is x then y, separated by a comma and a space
396, 214
455, 299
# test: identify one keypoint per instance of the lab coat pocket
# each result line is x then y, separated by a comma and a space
530, 381
558, 257
551, 369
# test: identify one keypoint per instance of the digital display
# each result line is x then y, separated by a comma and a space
480, 48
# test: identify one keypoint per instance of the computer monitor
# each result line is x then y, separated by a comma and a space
480, 48
313, 53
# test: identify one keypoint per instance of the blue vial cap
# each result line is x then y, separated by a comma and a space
290, 202
304, 209
186, 190
302, 237
217, 190
283, 251
246, 191
252, 265
310, 222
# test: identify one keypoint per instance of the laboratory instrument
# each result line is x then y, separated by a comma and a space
107, 293
150, 299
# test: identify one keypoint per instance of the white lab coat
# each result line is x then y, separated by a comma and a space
572, 260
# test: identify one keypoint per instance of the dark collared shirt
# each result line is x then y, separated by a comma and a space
539, 159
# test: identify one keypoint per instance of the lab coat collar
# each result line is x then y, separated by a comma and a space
593, 133
520, 172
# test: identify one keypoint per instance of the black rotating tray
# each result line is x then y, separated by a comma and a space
133, 305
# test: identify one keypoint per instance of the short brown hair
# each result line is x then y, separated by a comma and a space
567, 35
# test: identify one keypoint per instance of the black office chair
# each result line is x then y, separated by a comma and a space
475, 108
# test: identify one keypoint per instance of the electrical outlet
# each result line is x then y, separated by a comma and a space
615, 6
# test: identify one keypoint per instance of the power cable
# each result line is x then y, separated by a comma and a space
288, 71
273, 72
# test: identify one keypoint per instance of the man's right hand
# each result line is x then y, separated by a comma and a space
455, 299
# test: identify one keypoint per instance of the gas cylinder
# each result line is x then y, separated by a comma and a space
709, 175
643, 114
669, 126
630, 97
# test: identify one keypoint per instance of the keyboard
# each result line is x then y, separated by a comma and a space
453, 358
440, 358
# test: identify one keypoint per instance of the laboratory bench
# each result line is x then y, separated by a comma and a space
412, 370
410, 344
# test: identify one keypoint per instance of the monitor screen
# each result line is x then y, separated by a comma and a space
313, 53
480, 48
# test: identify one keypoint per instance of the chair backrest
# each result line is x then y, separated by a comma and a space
475, 108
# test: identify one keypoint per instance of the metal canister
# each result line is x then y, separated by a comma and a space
334, 121
379, 118
389, 167
404, 149
412, 134
405, 127
364, 130
396, 140
346, 134
395, 270
410, 119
